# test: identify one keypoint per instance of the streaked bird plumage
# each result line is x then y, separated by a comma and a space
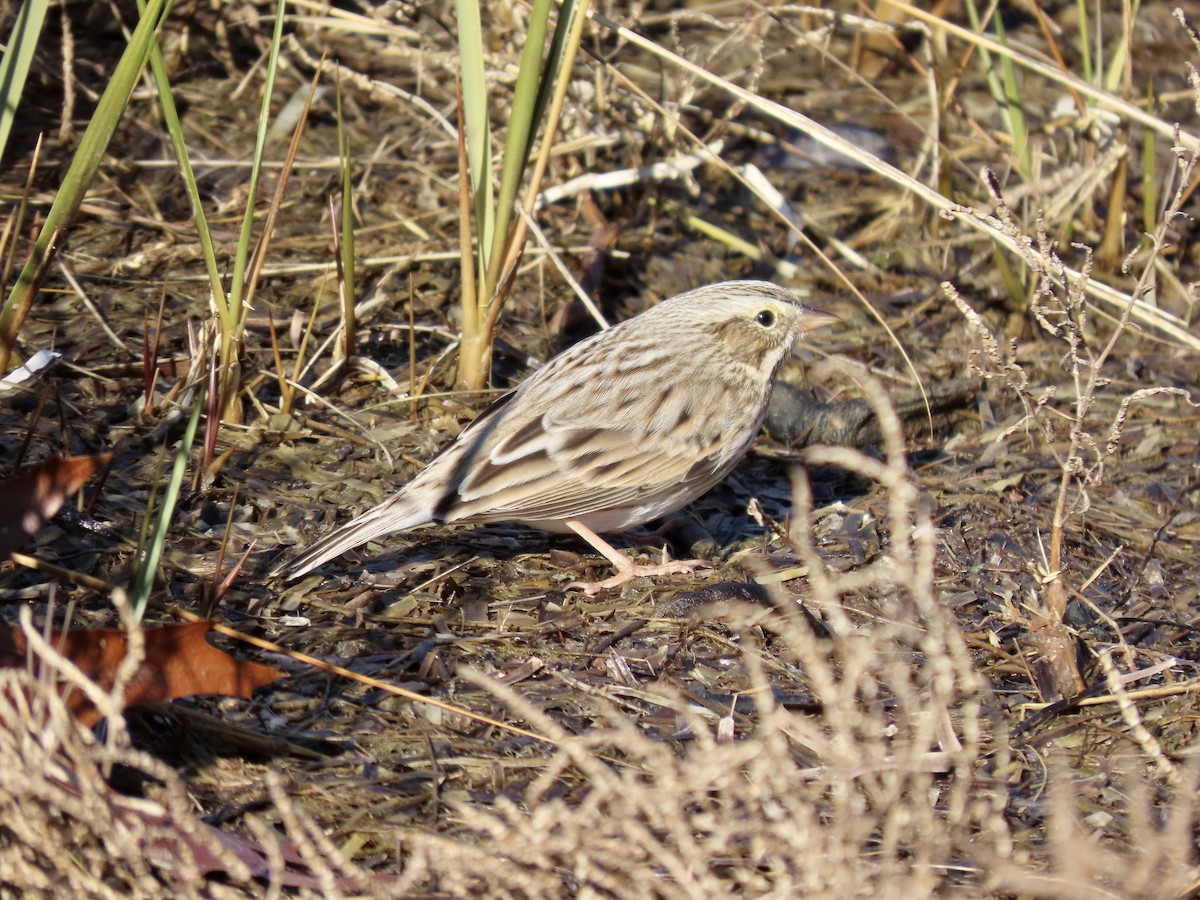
620, 429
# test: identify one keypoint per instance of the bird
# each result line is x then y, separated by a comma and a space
622, 428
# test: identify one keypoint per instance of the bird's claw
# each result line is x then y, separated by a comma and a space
630, 570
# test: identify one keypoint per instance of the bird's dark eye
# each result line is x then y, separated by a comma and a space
765, 318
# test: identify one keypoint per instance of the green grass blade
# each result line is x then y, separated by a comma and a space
521, 128
995, 88
16, 62
1149, 182
142, 581
347, 228
475, 116
566, 30
170, 113
231, 310
81, 172
1085, 50
1018, 125
1118, 67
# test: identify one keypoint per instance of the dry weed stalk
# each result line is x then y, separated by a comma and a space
64, 831
881, 790
1058, 303
1153, 857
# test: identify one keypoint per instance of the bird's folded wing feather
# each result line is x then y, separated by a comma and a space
557, 471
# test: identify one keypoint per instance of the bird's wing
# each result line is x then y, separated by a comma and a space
583, 437
549, 471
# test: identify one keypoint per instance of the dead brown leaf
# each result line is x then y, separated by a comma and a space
29, 500
179, 662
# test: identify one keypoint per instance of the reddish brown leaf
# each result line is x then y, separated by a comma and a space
28, 500
179, 662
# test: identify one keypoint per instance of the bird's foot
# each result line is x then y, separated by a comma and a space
626, 568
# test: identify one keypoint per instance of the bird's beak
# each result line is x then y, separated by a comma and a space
817, 318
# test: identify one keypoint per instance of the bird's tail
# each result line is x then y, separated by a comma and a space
394, 514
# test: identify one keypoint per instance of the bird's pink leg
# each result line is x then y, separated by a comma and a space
626, 568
